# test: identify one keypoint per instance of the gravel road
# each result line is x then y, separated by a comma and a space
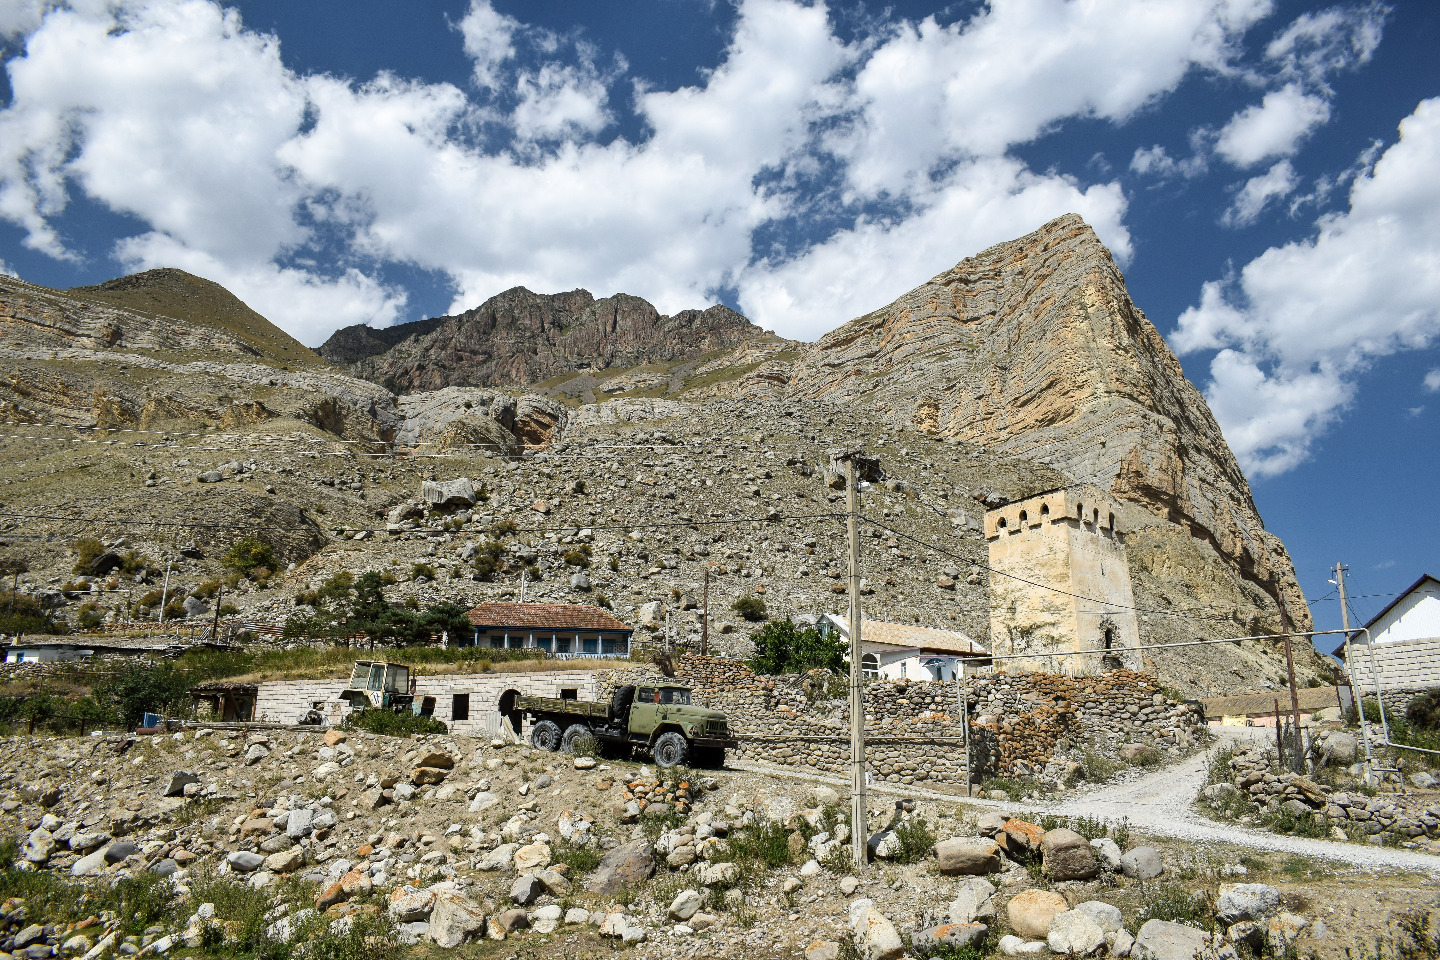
1160, 804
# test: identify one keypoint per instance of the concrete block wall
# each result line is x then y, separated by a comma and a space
1403, 665
284, 701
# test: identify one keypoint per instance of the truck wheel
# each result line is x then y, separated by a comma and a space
670, 750
575, 734
545, 735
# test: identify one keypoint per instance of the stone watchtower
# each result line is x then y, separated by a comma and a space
1064, 539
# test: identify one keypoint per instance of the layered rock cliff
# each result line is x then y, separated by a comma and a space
1035, 349
519, 338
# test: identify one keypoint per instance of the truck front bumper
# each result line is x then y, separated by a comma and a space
715, 743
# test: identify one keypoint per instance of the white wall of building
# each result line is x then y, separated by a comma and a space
1415, 617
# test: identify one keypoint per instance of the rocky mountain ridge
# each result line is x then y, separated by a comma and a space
714, 443
519, 338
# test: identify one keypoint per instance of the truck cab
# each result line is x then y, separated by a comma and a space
378, 685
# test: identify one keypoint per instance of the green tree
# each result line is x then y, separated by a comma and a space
449, 618
143, 687
782, 647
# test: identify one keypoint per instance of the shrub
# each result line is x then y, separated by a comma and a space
1173, 903
1424, 711
580, 859
391, 724
579, 557
249, 555
915, 838
22, 614
422, 571
87, 550
751, 608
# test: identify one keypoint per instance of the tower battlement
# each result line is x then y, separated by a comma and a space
1061, 583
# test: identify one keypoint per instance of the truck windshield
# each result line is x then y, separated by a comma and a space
674, 695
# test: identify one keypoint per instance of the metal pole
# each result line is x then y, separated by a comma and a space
1279, 743
215, 630
964, 698
859, 819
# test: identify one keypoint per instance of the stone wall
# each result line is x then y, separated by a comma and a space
1021, 723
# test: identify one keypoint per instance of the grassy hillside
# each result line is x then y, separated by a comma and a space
199, 302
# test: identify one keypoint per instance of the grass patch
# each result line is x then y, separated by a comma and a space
1173, 903
580, 859
391, 724
915, 838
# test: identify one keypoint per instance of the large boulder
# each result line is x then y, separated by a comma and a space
1067, 856
1246, 901
1020, 839
1163, 940
624, 867
1142, 863
454, 919
974, 900
447, 494
179, 780
1031, 911
951, 937
875, 936
967, 855
411, 905
1074, 932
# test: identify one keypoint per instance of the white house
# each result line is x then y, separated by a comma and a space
901, 651
1403, 646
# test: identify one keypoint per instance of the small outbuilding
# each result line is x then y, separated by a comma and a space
1399, 650
225, 702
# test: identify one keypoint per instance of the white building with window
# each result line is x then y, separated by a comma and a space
1403, 645
902, 651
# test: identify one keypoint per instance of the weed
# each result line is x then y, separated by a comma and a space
1121, 833
580, 859
1173, 903
1091, 828
1095, 766
915, 838
1308, 825
391, 724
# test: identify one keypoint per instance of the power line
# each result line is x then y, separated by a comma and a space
1033, 583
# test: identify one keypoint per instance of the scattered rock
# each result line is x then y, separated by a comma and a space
1031, 911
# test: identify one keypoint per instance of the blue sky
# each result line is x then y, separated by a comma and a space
1265, 171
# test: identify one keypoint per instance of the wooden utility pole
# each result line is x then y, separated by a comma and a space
964, 697
859, 819
1290, 670
215, 629
1356, 693
1279, 742
165, 589
705, 617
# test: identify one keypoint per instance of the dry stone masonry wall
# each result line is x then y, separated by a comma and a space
1022, 723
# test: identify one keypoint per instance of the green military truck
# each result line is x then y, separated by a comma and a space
655, 717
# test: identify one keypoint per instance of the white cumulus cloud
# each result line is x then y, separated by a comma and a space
1275, 128
1432, 380
1259, 192
1301, 321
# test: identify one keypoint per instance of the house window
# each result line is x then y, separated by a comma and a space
870, 667
616, 646
562, 644
497, 641
591, 644
460, 706
545, 643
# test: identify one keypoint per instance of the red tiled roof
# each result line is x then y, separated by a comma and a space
544, 616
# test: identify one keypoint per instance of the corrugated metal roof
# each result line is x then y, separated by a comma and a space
544, 616
909, 635
1259, 704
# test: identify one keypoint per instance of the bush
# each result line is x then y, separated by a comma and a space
23, 614
249, 555
782, 647
1424, 711
915, 838
391, 724
87, 551
422, 571
751, 608
142, 688
579, 557
1173, 903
